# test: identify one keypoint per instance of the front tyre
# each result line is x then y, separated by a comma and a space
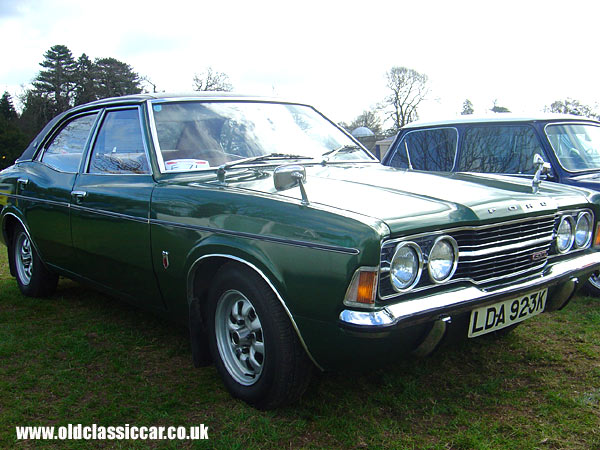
33, 278
255, 348
592, 287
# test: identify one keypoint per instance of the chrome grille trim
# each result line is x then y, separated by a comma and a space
488, 254
492, 250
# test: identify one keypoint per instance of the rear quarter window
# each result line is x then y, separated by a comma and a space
428, 150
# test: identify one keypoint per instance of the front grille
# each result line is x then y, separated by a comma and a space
504, 250
488, 255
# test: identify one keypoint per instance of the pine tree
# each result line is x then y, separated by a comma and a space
7, 110
467, 108
85, 88
57, 81
115, 78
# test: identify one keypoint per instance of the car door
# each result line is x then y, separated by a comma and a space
110, 209
45, 189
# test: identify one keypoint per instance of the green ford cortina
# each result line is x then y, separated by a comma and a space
280, 241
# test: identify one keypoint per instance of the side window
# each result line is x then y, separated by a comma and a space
499, 149
119, 147
64, 151
429, 150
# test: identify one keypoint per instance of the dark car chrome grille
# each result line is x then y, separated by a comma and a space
488, 255
504, 250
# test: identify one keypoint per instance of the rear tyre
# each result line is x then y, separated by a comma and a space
33, 278
255, 348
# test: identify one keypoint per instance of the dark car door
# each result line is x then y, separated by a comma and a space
110, 210
45, 190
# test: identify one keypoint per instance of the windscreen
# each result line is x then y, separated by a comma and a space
195, 135
577, 146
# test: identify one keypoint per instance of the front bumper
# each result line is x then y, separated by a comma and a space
562, 276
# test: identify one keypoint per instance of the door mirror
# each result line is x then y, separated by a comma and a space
287, 177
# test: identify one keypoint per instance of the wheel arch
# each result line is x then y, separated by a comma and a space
206, 266
10, 222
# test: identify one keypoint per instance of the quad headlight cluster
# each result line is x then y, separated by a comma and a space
574, 232
409, 262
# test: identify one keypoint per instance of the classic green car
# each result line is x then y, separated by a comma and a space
280, 241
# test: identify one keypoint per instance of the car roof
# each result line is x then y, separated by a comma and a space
497, 118
203, 95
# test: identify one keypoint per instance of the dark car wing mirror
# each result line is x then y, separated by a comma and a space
289, 176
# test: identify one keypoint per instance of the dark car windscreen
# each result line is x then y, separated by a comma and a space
498, 149
430, 150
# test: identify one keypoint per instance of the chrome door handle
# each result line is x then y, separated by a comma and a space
79, 195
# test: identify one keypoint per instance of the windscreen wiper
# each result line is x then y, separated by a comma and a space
224, 167
342, 149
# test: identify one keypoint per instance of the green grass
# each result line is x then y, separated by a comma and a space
82, 357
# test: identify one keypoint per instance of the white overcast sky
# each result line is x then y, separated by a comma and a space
332, 54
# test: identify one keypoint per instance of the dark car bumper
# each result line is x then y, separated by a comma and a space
561, 279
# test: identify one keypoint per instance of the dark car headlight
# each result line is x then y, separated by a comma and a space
565, 234
583, 229
443, 259
406, 266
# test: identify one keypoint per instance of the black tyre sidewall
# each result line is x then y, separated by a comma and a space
42, 281
262, 298
591, 289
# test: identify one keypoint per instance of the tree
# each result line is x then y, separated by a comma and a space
56, 81
85, 89
499, 109
467, 108
7, 109
408, 88
570, 106
12, 140
367, 118
210, 80
115, 78
37, 111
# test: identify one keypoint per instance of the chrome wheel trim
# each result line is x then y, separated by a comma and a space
239, 337
24, 258
595, 280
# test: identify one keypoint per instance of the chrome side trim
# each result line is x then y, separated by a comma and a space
266, 279
431, 307
295, 243
39, 200
102, 212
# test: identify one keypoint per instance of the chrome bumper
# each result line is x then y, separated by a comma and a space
436, 306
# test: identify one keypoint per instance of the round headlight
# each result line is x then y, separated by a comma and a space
566, 234
443, 259
583, 229
406, 266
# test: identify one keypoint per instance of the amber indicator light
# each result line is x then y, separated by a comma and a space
366, 287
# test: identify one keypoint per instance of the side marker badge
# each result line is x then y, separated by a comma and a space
165, 259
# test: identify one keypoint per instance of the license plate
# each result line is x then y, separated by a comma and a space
508, 312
